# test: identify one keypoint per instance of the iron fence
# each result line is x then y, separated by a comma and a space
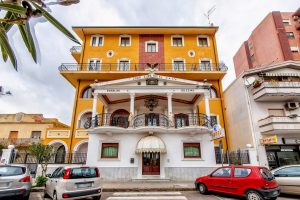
233, 158
142, 66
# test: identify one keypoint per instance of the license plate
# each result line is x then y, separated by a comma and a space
4, 184
84, 185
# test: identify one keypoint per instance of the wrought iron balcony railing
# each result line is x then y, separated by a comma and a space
76, 49
99, 67
150, 119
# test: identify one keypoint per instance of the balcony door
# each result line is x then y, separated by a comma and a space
152, 119
119, 118
151, 164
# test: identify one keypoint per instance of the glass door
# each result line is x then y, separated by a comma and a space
151, 164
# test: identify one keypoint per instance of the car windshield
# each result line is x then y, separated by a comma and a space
83, 173
266, 174
11, 171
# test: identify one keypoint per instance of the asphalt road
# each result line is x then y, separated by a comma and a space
186, 195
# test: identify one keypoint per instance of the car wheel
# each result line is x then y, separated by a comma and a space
253, 195
97, 198
54, 196
45, 194
26, 197
202, 188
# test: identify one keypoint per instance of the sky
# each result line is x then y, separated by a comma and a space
39, 88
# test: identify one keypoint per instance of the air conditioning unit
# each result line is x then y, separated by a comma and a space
292, 105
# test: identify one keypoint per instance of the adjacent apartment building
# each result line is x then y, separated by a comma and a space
146, 101
275, 39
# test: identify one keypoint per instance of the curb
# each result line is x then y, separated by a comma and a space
146, 189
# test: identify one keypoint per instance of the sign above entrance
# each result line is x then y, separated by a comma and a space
218, 132
269, 140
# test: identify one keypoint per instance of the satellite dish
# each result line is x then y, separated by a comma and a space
249, 81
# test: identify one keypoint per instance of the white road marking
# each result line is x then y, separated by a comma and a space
148, 198
146, 193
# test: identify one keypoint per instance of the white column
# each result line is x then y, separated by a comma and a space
132, 95
170, 111
94, 112
206, 99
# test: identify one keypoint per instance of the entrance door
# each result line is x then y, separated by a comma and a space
151, 163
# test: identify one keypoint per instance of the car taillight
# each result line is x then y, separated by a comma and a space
98, 172
67, 173
65, 196
25, 179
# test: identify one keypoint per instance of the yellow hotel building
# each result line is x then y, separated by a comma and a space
146, 100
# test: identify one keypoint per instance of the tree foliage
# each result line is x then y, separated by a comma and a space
19, 12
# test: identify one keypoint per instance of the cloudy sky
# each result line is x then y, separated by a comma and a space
39, 88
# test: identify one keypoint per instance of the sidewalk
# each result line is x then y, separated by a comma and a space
147, 186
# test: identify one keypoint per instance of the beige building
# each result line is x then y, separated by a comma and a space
21, 129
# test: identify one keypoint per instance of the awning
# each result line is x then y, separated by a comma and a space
282, 74
151, 144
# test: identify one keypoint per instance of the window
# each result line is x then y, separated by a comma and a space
125, 41
85, 118
36, 134
276, 112
290, 35
13, 135
213, 120
203, 41
181, 120
97, 41
109, 150
151, 47
177, 41
94, 64
83, 172
286, 22
87, 93
241, 172
205, 65
213, 93
288, 172
295, 49
124, 65
11, 171
178, 65
191, 150
222, 172
57, 172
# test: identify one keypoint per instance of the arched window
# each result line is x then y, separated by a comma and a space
213, 93
87, 93
120, 118
84, 118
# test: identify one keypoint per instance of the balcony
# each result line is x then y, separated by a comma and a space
277, 91
150, 122
18, 141
279, 125
76, 52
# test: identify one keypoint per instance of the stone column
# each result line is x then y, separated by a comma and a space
131, 116
95, 101
206, 99
170, 109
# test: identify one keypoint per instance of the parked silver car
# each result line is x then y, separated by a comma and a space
74, 183
288, 178
15, 181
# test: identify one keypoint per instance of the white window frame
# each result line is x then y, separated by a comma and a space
123, 59
124, 36
97, 43
218, 118
286, 21
178, 59
95, 59
295, 49
203, 36
177, 36
205, 59
151, 42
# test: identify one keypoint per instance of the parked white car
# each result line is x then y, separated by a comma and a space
74, 183
288, 178
15, 181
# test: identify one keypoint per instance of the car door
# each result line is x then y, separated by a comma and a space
52, 181
221, 180
241, 180
288, 179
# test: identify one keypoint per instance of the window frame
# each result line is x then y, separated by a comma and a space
151, 42
203, 36
290, 35
40, 134
124, 36
109, 144
177, 36
241, 168
212, 174
178, 59
294, 49
94, 62
276, 174
286, 22
123, 59
97, 42
205, 60
192, 144
84, 90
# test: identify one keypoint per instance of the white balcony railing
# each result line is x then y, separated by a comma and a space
76, 49
279, 123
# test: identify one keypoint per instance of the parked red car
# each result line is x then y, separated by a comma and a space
254, 183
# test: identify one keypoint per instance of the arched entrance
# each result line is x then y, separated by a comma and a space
80, 152
119, 118
60, 151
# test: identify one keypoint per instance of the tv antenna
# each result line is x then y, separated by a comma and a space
209, 13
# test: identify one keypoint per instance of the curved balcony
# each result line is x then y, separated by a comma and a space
152, 122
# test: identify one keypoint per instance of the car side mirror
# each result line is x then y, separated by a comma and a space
32, 172
48, 175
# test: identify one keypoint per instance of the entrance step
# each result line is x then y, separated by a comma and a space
151, 178
149, 198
